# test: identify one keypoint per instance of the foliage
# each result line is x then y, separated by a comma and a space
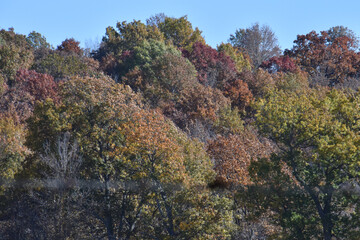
159, 72
291, 81
70, 46
280, 64
178, 31
15, 53
37, 41
29, 87
242, 62
232, 155
61, 66
239, 93
168, 145
260, 82
12, 149
229, 121
318, 137
322, 55
41, 86
126, 38
203, 103
121, 142
216, 69
341, 31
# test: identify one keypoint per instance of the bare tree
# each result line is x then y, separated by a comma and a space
259, 42
65, 161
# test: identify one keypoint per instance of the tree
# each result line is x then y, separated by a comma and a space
242, 61
218, 70
158, 71
137, 158
325, 57
15, 53
70, 46
341, 31
233, 154
61, 66
259, 42
214, 68
318, 137
126, 38
37, 41
12, 148
280, 64
177, 31
259, 81
29, 87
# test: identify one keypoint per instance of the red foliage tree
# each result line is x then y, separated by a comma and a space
28, 88
216, 69
70, 46
38, 85
332, 58
280, 64
239, 93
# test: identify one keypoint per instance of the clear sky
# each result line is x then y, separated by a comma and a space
86, 20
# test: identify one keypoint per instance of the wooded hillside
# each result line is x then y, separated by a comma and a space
157, 135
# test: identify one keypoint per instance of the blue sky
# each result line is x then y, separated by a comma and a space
86, 20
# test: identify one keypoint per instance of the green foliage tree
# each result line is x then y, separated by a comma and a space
37, 41
12, 148
241, 62
61, 66
126, 38
159, 71
178, 31
15, 53
318, 137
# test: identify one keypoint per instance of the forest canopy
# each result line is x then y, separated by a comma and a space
157, 135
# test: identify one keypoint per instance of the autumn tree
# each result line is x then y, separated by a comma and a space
233, 154
259, 42
29, 87
12, 148
328, 60
242, 61
218, 70
280, 64
137, 158
341, 31
318, 139
15, 53
259, 81
70, 46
